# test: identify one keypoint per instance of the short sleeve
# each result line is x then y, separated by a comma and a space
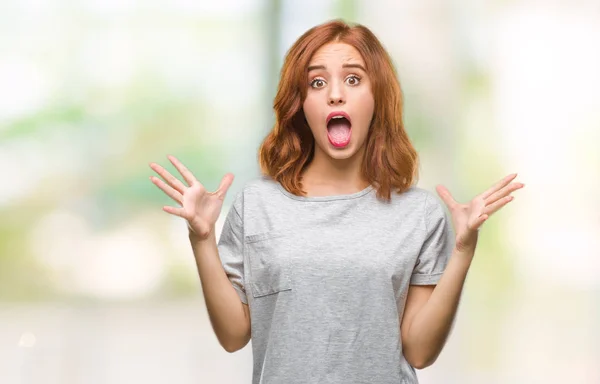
437, 247
231, 250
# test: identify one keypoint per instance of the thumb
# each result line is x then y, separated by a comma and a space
225, 184
446, 196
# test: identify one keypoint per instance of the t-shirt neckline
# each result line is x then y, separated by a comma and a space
347, 196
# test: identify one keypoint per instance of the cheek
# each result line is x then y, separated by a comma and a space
367, 108
310, 111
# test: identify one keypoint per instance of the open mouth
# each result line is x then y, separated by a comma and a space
339, 129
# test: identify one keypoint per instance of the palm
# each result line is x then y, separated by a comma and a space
197, 206
465, 215
201, 208
468, 218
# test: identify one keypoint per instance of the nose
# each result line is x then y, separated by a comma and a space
336, 101
336, 95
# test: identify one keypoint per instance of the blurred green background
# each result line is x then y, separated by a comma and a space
98, 285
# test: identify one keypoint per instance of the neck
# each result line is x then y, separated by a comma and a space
327, 176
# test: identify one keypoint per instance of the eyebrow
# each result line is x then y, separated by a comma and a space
315, 67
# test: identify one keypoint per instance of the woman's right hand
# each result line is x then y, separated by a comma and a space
199, 207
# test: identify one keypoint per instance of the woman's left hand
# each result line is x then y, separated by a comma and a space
468, 218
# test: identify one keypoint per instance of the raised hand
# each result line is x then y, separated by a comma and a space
199, 207
468, 218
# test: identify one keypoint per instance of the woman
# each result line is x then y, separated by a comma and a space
333, 262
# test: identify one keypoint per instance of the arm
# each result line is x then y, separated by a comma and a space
229, 317
228, 314
430, 311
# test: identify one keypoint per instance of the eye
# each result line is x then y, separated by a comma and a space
353, 80
317, 83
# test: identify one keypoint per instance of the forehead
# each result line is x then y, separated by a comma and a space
336, 52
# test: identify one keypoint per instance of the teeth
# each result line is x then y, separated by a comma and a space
337, 117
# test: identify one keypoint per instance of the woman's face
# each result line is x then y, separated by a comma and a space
339, 103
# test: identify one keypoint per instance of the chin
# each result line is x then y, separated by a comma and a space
341, 153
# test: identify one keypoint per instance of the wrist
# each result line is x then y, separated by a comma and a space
465, 249
466, 243
197, 239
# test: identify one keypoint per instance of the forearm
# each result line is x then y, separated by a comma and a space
431, 325
226, 311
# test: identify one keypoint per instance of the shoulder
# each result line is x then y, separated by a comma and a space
418, 197
254, 191
422, 203
260, 184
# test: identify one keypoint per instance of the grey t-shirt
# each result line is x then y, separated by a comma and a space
326, 279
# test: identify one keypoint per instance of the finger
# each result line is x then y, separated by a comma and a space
224, 186
172, 180
507, 190
174, 211
187, 175
493, 208
167, 189
499, 185
446, 196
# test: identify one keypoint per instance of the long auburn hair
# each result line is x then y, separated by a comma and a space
390, 161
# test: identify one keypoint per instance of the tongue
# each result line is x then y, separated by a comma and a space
339, 133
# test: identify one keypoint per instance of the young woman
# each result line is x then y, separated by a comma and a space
333, 262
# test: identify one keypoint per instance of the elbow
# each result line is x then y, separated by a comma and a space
421, 361
420, 354
233, 344
233, 337
231, 348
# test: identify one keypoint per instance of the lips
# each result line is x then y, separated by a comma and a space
336, 114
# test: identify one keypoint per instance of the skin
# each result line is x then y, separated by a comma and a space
337, 81
430, 310
229, 317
